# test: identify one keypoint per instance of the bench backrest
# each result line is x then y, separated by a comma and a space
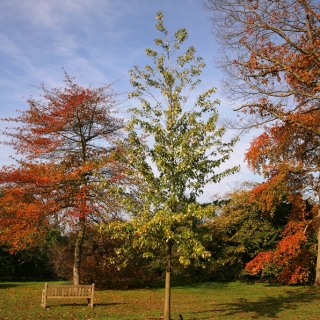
69, 290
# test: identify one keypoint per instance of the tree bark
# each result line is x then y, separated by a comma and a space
77, 251
317, 280
167, 294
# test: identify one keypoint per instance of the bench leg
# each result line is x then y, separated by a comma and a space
43, 300
90, 302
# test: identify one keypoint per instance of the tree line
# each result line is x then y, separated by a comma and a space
91, 196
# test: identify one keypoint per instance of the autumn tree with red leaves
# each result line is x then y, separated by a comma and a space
288, 157
70, 157
270, 55
293, 259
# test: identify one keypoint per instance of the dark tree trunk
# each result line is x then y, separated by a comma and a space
77, 251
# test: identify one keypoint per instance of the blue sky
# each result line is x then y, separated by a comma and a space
98, 41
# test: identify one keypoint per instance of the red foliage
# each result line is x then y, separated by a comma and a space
69, 144
293, 258
287, 155
271, 57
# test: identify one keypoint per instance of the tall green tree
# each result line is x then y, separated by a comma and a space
177, 149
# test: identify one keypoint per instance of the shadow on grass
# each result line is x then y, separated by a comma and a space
9, 285
84, 305
184, 284
268, 307
206, 285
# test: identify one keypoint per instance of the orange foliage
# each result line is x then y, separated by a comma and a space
293, 258
69, 144
271, 57
287, 155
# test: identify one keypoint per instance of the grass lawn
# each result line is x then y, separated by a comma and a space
21, 300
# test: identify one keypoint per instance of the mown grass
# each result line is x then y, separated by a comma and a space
21, 300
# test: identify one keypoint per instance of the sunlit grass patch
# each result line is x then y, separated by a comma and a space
21, 300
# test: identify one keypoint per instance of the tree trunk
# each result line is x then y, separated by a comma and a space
77, 251
317, 280
167, 294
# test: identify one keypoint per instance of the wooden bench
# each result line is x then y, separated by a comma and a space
67, 292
